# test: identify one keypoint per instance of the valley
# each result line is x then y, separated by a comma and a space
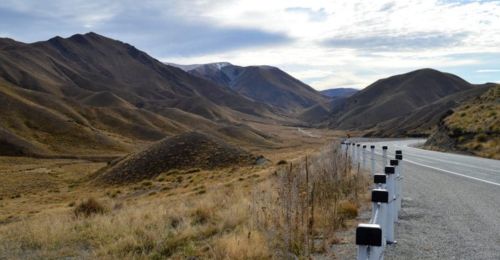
107, 152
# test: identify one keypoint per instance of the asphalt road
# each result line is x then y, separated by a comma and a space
451, 205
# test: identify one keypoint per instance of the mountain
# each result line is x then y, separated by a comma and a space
339, 92
394, 97
89, 92
265, 84
473, 127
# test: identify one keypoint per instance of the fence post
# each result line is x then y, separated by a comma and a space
389, 171
397, 195
372, 158
384, 154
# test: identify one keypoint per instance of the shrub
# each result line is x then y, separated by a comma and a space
282, 162
88, 208
481, 138
147, 183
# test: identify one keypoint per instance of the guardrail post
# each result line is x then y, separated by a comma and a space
390, 171
358, 153
372, 158
364, 156
380, 180
384, 154
370, 238
352, 153
399, 157
397, 195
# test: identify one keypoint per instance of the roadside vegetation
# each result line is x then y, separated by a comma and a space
290, 209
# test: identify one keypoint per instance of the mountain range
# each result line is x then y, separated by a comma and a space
265, 84
89, 94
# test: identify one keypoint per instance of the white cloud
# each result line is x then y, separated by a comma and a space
488, 70
414, 34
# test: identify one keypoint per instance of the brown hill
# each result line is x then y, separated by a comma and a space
265, 84
188, 150
394, 97
422, 121
88, 93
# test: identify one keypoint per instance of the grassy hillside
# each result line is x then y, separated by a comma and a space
473, 127
89, 94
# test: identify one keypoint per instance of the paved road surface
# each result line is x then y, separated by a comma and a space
450, 208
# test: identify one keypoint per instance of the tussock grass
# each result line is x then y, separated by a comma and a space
88, 208
286, 211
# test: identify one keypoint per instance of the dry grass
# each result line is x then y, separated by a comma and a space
237, 213
307, 202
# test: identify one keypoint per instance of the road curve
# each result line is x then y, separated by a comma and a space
451, 204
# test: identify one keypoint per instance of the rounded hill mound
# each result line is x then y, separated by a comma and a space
188, 150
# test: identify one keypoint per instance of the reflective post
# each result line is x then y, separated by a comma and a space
390, 171
397, 195
399, 157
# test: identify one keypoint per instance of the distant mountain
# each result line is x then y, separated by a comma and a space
395, 97
339, 92
264, 84
89, 92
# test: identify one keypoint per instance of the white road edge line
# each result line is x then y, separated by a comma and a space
454, 173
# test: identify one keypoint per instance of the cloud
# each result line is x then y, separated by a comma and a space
325, 43
160, 28
313, 15
398, 42
488, 70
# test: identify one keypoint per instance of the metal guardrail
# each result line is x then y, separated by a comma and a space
373, 237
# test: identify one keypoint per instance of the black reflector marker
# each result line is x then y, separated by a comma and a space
369, 235
389, 170
399, 152
394, 162
384, 147
364, 146
372, 146
358, 145
399, 157
379, 178
380, 195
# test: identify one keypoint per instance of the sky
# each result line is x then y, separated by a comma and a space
327, 44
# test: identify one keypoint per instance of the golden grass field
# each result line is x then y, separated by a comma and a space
256, 212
